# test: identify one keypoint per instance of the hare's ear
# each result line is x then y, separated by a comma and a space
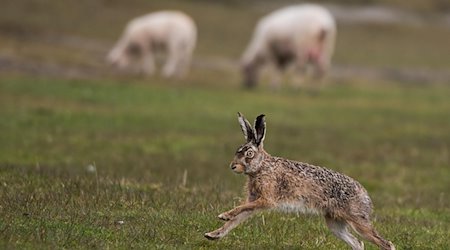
260, 128
247, 129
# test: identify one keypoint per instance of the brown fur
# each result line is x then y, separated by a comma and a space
277, 183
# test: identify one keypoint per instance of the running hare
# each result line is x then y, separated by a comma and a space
287, 185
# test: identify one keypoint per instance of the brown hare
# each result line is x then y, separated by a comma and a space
277, 183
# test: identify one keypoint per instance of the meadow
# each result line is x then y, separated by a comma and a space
95, 159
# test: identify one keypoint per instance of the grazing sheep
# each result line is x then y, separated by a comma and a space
300, 35
172, 32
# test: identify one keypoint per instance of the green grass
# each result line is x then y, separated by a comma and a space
161, 148
142, 138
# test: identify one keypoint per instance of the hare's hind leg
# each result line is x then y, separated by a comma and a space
340, 230
365, 229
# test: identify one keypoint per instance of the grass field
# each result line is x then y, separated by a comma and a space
130, 162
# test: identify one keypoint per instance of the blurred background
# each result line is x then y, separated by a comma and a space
96, 158
382, 39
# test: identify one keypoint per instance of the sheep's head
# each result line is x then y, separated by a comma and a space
118, 60
123, 55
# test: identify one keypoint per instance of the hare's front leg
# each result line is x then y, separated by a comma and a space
228, 226
249, 206
235, 216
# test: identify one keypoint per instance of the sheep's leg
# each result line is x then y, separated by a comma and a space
274, 75
181, 56
148, 63
184, 63
174, 56
321, 66
228, 226
313, 63
319, 57
170, 67
186, 58
299, 71
145, 58
275, 81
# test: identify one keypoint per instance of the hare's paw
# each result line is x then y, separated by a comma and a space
225, 216
214, 235
391, 246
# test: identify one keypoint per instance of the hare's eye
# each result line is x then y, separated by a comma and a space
249, 154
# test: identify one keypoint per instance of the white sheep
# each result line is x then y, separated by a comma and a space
172, 32
297, 35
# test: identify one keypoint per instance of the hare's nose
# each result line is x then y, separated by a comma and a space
233, 166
